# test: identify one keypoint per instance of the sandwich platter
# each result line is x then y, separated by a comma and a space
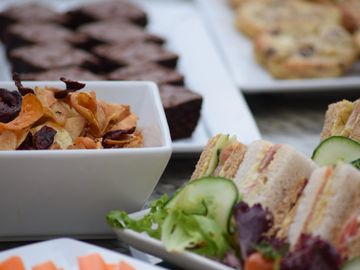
180, 23
249, 76
276, 207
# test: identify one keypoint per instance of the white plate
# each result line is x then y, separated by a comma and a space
64, 252
238, 53
186, 260
224, 109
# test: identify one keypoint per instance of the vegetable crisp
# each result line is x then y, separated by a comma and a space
52, 118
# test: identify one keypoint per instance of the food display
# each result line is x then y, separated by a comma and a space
51, 118
301, 39
92, 261
277, 208
96, 41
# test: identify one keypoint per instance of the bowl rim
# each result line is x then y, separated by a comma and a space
148, 85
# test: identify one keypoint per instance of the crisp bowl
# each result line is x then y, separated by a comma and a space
47, 193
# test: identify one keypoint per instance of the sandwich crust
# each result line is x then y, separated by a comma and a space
229, 158
342, 119
328, 201
352, 127
336, 117
231, 165
205, 157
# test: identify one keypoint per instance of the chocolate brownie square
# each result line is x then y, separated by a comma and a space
44, 57
105, 10
182, 109
134, 54
72, 73
28, 13
117, 32
23, 34
148, 72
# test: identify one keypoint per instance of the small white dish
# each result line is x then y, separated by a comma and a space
185, 260
69, 192
63, 252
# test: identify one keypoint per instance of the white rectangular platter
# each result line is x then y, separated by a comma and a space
237, 51
185, 260
63, 252
224, 108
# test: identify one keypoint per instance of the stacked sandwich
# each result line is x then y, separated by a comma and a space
304, 199
342, 119
302, 39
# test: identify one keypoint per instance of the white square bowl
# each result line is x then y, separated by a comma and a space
45, 193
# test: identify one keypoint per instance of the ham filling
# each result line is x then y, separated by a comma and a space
317, 201
350, 230
223, 157
269, 156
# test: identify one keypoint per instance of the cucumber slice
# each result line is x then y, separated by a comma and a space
214, 161
356, 163
213, 197
336, 148
353, 264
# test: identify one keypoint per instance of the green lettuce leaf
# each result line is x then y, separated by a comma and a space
197, 233
151, 223
356, 164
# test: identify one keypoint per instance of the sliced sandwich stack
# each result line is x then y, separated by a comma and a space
304, 199
342, 119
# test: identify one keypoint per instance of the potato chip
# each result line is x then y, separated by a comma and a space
45, 95
21, 136
127, 123
8, 140
113, 113
31, 111
85, 143
85, 104
124, 140
75, 125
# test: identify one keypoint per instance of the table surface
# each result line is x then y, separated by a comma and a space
295, 119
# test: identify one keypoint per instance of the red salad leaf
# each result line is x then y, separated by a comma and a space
312, 253
10, 105
252, 224
230, 259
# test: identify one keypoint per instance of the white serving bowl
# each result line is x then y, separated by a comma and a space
44, 193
